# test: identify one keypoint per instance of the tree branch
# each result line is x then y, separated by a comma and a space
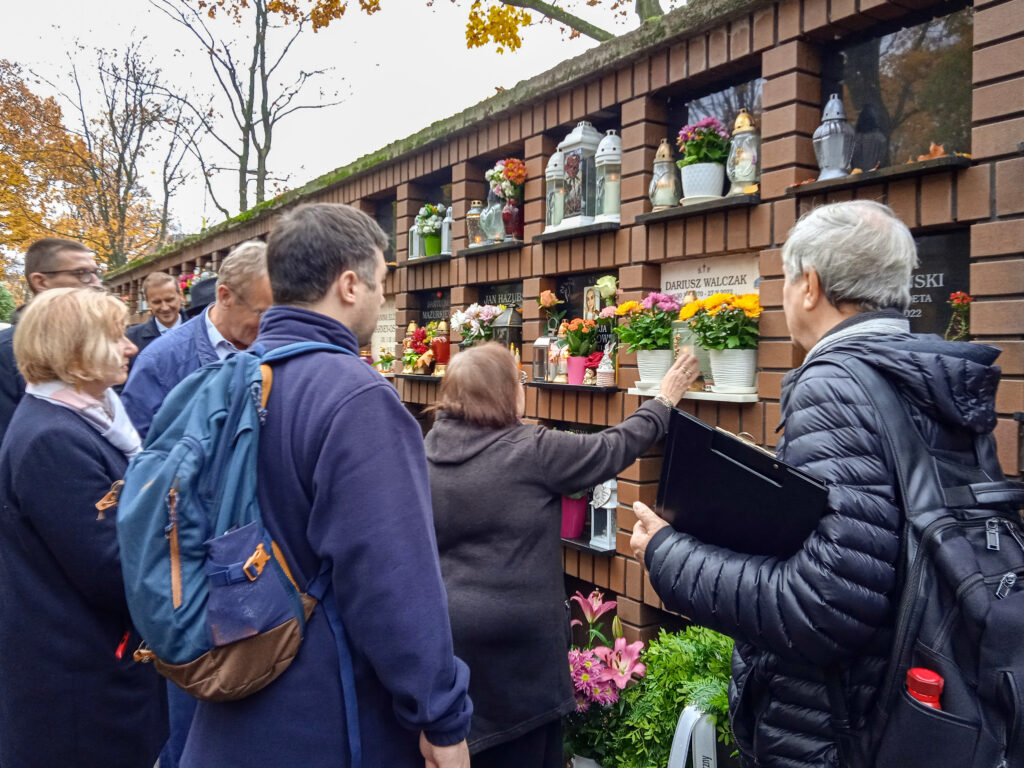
558, 14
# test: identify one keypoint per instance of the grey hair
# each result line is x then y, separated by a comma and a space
245, 264
862, 253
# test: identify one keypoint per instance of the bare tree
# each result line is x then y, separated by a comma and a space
255, 106
109, 206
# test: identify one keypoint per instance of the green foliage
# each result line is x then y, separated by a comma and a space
689, 667
7, 304
729, 329
647, 329
581, 336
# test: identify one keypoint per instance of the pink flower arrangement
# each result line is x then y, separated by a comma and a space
599, 672
662, 301
706, 141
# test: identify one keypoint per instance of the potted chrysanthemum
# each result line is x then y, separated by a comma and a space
647, 330
705, 148
727, 326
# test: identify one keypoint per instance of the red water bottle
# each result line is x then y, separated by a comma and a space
925, 686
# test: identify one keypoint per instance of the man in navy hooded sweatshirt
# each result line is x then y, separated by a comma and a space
343, 480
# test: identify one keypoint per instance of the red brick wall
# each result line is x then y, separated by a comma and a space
784, 41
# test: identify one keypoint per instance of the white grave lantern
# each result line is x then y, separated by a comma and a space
554, 207
446, 233
415, 243
608, 163
578, 150
604, 500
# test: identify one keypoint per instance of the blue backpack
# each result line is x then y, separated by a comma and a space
208, 589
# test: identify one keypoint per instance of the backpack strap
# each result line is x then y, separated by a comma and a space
320, 588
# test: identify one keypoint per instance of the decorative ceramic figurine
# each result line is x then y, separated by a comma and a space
606, 368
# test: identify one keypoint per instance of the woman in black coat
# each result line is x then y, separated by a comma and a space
70, 693
496, 486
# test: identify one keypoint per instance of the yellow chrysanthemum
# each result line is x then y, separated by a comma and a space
689, 310
628, 308
716, 300
749, 302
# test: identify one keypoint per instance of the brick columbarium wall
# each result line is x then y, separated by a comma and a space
635, 84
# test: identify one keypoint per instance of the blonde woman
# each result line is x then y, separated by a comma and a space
70, 693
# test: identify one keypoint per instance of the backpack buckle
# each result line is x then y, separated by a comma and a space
256, 563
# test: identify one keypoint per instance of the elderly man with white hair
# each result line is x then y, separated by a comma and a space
228, 325
831, 605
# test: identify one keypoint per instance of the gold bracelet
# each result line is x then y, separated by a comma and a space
664, 401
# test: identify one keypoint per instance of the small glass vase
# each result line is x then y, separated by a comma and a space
512, 218
491, 223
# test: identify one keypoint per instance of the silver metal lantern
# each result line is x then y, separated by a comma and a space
833, 141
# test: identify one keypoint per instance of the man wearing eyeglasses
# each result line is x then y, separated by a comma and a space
49, 263
228, 325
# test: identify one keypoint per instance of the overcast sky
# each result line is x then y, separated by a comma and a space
397, 72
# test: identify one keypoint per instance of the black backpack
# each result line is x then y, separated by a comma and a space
960, 612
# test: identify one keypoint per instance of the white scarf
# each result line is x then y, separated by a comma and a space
107, 416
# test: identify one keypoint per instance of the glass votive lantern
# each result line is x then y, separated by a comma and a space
540, 358
666, 187
474, 235
554, 178
744, 164
608, 162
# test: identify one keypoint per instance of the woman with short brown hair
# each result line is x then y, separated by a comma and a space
70, 692
496, 485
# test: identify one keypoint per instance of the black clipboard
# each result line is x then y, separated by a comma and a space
728, 492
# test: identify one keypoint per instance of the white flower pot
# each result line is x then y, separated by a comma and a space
584, 762
734, 370
653, 365
703, 180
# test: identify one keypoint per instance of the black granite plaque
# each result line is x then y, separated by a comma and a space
572, 289
434, 305
943, 269
509, 294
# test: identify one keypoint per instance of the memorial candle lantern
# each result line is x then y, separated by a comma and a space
474, 235
579, 149
446, 233
744, 164
440, 345
415, 243
833, 141
666, 188
507, 330
608, 162
540, 358
604, 500
554, 178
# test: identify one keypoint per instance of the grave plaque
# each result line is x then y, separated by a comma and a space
700, 278
384, 333
944, 267
571, 290
509, 294
434, 305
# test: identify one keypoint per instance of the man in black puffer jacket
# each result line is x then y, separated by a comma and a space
831, 605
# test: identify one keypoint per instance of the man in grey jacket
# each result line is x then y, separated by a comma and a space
830, 605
